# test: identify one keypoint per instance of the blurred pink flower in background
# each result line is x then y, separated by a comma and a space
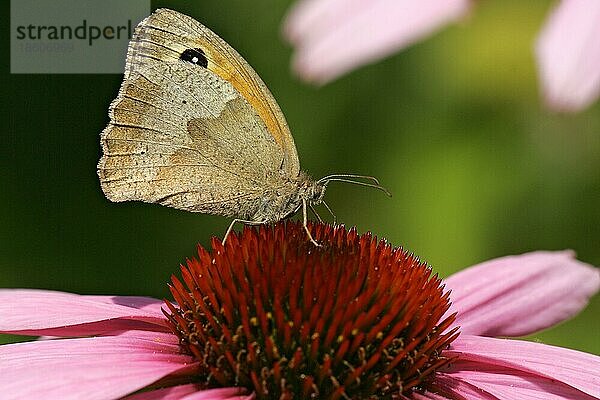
332, 37
568, 55
108, 347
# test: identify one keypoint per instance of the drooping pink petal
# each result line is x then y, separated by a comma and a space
552, 367
519, 295
192, 392
88, 368
334, 36
456, 388
50, 313
568, 55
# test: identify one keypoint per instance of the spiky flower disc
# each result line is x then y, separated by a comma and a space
353, 319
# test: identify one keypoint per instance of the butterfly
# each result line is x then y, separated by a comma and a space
195, 128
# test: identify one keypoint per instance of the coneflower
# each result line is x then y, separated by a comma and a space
271, 316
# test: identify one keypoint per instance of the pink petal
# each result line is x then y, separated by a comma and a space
504, 383
334, 36
218, 394
41, 312
88, 368
170, 393
425, 396
148, 304
519, 295
459, 389
192, 392
552, 367
568, 55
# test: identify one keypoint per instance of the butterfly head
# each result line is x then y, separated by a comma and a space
309, 190
312, 192
315, 192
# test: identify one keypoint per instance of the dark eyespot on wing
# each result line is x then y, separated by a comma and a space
195, 56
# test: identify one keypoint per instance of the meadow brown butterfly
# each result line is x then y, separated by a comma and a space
194, 127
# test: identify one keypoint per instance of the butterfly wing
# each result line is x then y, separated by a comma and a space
202, 137
225, 62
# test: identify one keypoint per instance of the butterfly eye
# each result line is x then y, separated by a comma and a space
194, 56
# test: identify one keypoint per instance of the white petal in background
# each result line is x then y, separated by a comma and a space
568, 55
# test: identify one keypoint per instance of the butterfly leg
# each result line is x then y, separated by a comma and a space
304, 221
236, 220
312, 208
330, 212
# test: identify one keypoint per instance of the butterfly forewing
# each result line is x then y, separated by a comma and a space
183, 136
175, 30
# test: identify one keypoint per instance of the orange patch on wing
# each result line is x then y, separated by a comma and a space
228, 68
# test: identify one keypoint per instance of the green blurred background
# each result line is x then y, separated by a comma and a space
453, 126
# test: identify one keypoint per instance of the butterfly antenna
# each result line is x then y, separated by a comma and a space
328, 177
342, 178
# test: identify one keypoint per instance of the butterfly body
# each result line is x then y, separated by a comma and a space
286, 199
